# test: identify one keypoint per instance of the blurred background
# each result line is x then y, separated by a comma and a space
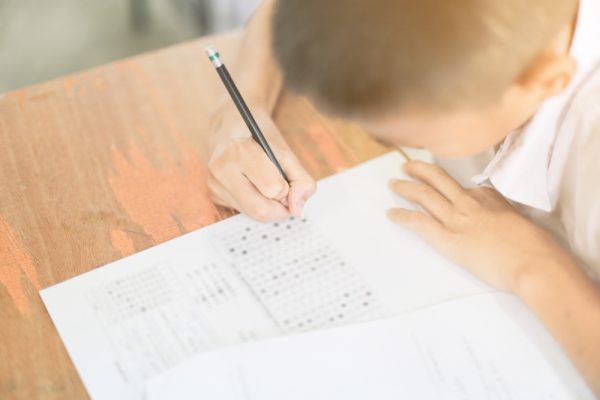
45, 39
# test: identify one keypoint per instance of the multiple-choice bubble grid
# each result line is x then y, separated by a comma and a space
287, 272
301, 280
132, 295
149, 329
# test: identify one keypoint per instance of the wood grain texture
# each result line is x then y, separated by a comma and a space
105, 163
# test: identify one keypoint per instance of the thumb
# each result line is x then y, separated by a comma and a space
302, 186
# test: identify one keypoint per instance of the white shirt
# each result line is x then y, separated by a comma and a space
551, 167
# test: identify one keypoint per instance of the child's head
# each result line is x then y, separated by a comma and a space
451, 76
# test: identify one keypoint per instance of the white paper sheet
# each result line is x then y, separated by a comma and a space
484, 347
237, 281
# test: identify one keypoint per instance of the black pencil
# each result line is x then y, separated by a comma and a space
214, 57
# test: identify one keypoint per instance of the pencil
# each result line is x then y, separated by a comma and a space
404, 153
257, 135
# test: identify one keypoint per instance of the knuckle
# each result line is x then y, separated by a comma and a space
216, 164
489, 193
416, 219
436, 169
213, 186
480, 197
226, 154
261, 212
216, 199
427, 167
311, 187
212, 169
411, 167
241, 147
424, 191
275, 190
396, 186
439, 173
477, 192
469, 199
417, 164
460, 222
483, 192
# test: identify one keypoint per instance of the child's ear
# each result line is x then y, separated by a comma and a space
549, 75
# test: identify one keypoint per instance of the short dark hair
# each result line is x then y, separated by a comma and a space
373, 56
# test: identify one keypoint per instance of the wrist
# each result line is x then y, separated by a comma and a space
546, 276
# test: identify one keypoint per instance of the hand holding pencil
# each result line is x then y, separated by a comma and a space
251, 168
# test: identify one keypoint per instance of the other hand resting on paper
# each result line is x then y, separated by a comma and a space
481, 231
476, 228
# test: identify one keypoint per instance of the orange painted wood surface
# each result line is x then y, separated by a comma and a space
105, 163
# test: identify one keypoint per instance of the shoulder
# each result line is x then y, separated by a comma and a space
583, 113
580, 187
582, 124
578, 140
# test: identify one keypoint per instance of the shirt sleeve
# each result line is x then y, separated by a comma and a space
581, 190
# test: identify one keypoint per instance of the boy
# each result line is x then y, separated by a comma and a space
521, 77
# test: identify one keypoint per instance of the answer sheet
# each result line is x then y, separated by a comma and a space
483, 347
237, 281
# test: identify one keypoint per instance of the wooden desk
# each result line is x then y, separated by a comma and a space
105, 163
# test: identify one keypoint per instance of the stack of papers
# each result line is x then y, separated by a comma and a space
484, 347
159, 315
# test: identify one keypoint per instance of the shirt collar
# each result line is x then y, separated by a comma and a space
521, 168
